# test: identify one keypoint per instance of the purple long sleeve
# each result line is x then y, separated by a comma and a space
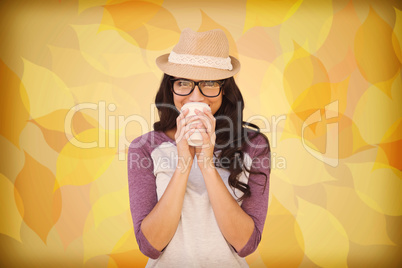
257, 204
142, 191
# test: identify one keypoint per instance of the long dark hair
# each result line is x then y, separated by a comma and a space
228, 117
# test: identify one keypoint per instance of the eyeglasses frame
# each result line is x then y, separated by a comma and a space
220, 82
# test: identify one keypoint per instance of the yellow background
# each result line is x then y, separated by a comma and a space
64, 206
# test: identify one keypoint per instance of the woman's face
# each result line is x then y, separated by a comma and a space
196, 96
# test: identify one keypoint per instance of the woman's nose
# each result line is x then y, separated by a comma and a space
196, 95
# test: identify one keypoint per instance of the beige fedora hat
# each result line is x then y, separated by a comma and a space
200, 56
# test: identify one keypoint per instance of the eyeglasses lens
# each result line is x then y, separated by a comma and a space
184, 87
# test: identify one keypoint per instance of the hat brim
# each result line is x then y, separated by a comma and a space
196, 72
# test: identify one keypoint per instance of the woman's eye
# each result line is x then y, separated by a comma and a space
211, 84
184, 84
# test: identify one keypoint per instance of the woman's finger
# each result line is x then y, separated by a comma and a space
190, 119
206, 122
211, 117
188, 133
208, 113
207, 138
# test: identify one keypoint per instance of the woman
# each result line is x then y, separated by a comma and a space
199, 206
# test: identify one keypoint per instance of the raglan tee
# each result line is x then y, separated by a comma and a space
198, 241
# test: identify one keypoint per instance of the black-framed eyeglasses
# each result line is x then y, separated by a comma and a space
184, 87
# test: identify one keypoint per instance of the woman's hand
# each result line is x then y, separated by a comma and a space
207, 129
185, 152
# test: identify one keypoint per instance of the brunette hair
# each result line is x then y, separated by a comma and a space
228, 117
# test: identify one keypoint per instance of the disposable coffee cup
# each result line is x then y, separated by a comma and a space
196, 138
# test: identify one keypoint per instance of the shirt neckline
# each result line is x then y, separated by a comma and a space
169, 138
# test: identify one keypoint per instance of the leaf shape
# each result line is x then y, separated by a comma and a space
11, 160
126, 243
145, 24
126, 252
84, 160
397, 34
392, 153
84, 5
11, 221
374, 51
110, 101
131, 258
325, 240
42, 206
288, 154
32, 250
46, 91
272, 94
283, 191
387, 111
337, 53
14, 106
40, 149
380, 188
390, 147
313, 98
304, 71
102, 186
281, 226
307, 30
109, 53
110, 205
269, 13
373, 255
258, 44
57, 126
130, 15
64, 60
58, 120
363, 225
75, 209
102, 239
